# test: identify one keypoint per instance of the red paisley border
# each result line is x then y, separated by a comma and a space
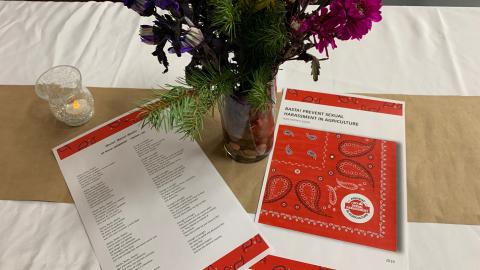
240, 255
348, 102
272, 262
96, 135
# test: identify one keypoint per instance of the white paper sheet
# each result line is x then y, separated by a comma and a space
50, 236
150, 200
329, 252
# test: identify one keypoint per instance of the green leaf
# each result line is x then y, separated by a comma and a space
315, 67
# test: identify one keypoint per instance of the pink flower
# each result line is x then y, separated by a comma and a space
324, 26
343, 19
364, 9
360, 15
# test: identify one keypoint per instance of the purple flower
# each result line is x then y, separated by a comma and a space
192, 38
360, 16
147, 35
142, 7
171, 5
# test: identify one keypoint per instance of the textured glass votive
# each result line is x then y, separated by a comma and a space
69, 101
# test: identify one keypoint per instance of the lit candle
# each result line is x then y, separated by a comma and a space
77, 107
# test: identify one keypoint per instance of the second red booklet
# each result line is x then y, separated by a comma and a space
328, 175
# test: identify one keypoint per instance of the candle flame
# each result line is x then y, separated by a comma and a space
76, 104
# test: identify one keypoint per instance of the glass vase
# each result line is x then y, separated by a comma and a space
248, 133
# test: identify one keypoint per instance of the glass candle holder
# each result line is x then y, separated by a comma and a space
69, 101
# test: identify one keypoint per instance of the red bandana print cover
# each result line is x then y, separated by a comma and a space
278, 263
334, 185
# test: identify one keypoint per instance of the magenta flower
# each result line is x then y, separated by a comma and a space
361, 9
324, 27
343, 19
360, 16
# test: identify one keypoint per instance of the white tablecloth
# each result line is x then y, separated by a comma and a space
415, 50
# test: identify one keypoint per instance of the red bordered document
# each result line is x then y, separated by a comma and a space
149, 200
278, 263
337, 173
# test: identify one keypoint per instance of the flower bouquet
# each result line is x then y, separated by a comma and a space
236, 49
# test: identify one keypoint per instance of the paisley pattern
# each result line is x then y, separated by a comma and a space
312, 154
311, 137
347, 185
345, 99
278, 186
324, 171
311, 99
308, 193
353, 169
288, 150
355, 103
288, 133
332, 195
350, 148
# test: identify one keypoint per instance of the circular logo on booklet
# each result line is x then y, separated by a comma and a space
357, 208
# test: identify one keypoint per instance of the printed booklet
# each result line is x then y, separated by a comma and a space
337, 173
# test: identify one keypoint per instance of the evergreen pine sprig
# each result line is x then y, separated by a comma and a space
182, 107
225, 16
255, 5
163, 111
262, 4
260, 96
266, 32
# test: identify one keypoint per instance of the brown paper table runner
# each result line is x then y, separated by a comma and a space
443, 152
